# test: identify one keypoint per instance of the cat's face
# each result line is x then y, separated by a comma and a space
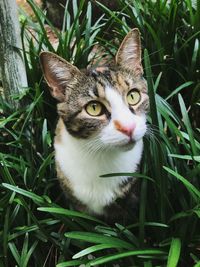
106, 104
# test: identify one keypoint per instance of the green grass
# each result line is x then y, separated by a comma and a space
36, 227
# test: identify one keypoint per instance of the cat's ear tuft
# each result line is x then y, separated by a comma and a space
58, 73
129, 52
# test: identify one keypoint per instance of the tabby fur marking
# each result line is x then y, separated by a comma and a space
102, 121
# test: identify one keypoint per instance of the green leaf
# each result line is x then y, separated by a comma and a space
157, 82
40, 17
191, 188
93, 249
197, 264
70, 213
174, 252
15, 252
148, 264
187, 123
186, 157
178, 89
114, 257
24, 251
5, 233
142, 211
70, 263
181, 215
28, 254
197, 212
99, 239
153, 108
19, 231
23, 192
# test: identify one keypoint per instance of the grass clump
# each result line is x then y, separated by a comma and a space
36, 228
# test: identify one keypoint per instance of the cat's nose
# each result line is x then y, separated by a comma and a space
127, 130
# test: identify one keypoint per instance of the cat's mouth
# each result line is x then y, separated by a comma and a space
127, 146
119, 144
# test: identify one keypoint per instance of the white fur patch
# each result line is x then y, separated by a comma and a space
83, 161
121, 113
83, 168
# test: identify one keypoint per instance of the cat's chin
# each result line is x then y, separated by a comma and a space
126, 146
121, 145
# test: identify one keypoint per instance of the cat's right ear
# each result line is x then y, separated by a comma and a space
129, 52
58, 73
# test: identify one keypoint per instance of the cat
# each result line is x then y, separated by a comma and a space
102, 122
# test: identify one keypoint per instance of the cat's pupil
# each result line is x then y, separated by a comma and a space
94, 106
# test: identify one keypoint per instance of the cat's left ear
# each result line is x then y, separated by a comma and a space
59, 74
129, 52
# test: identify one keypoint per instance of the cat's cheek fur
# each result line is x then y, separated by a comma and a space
122, 114
140, 128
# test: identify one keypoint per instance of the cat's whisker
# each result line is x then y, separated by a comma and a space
152, 133
93, 147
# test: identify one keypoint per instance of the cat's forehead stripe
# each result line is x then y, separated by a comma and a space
101, 89
109, 77
95, 91
123, 85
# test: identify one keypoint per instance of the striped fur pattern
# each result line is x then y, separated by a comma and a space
89, 145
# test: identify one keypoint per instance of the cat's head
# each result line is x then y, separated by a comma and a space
107, 104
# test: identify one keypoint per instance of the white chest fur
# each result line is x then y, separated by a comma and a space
83, 168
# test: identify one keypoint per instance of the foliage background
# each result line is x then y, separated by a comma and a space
37, 228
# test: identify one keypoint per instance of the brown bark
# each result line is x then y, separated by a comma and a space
13, 73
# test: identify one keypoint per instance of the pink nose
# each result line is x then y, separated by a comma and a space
127, 130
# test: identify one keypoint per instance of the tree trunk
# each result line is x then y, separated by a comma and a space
13, 73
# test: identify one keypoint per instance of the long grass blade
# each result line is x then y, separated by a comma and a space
174, 253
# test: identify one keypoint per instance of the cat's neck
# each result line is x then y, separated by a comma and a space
83, 154
82, 169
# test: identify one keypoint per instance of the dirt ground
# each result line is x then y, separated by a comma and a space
25, 6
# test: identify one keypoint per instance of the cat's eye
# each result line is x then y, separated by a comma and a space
133, 97
94, 108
